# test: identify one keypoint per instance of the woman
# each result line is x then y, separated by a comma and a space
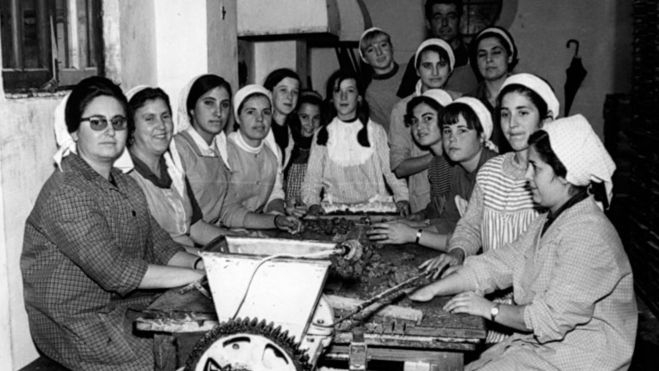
90, 244
349, 158
169, 195
284, 86
495, 54
200, 143
309, 119
434, 61
574, 306
255, 198
466, 126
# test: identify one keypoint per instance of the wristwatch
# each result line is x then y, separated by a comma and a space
494, 311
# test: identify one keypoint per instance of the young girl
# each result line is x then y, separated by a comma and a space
284, 85
466, 126
255, 198
495, 54
304, 126
434, 61
350, 157
200, 143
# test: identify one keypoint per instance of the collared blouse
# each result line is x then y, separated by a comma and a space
88, 243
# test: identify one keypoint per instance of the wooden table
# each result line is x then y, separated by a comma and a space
438, 342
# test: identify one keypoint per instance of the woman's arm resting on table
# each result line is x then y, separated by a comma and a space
203, 233
165, 276
472, 303
413, 165
449, 285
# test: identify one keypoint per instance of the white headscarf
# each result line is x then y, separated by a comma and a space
361, 40
484, 116
238, 99
441, 44
440, 96
539, 86
504, 35
578, 147
182, 123
66, 145
172, 159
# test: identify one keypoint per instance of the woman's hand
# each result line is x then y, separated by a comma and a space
425, 293
289, 224
469, 302
315, 210
391, 233
296, 211
403, 208
452, 258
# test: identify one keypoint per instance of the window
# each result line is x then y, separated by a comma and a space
479, 14
49, 44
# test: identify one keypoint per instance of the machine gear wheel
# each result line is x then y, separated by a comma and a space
247, 345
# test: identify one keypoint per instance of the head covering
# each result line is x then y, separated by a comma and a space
245, 92
182, 121
440, 43
504, 35
484, 116
439, 95
581, 151
66, 145
539, 86
363, 36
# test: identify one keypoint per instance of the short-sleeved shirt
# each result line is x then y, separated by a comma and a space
88, 243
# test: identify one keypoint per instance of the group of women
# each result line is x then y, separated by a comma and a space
138, 189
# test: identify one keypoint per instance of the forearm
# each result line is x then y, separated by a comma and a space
259, 221
203, 233
511, 316
413, 165
450, 285
162, 277
433, 240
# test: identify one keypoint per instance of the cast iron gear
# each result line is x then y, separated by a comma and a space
247, 345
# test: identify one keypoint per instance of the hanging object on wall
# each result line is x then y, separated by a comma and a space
575, 74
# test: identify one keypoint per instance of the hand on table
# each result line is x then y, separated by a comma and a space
452, 258
296, 211
403, 208
391, 233
469, 302
289, 224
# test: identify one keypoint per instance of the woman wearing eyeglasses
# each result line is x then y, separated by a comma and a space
90, 244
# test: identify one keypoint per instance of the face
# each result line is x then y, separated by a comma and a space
379, 53
153, 127
105, 145
255, 119
445, 22
425, 125
493, 59
211, 112
346, 98
548, 190
284, 95
433, 71
461, 144
309, 115
519, 119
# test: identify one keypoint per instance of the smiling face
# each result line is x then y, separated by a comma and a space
425, 125
284, 95
102, 146
211, 113
493, 59
255, 119
346, 98
153, 127
461, 143
519, 119
548, 190
379, 54
309, 115
444, 22
433, 70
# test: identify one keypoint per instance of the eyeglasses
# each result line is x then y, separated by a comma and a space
98, 123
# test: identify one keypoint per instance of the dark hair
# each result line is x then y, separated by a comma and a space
84, 92
236, 125
485, 35
430, 3
411, 105
277, 75
452, 113
542, 144
333, 84
534, 97
443, 54
139, 100
201, 86
306, 97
